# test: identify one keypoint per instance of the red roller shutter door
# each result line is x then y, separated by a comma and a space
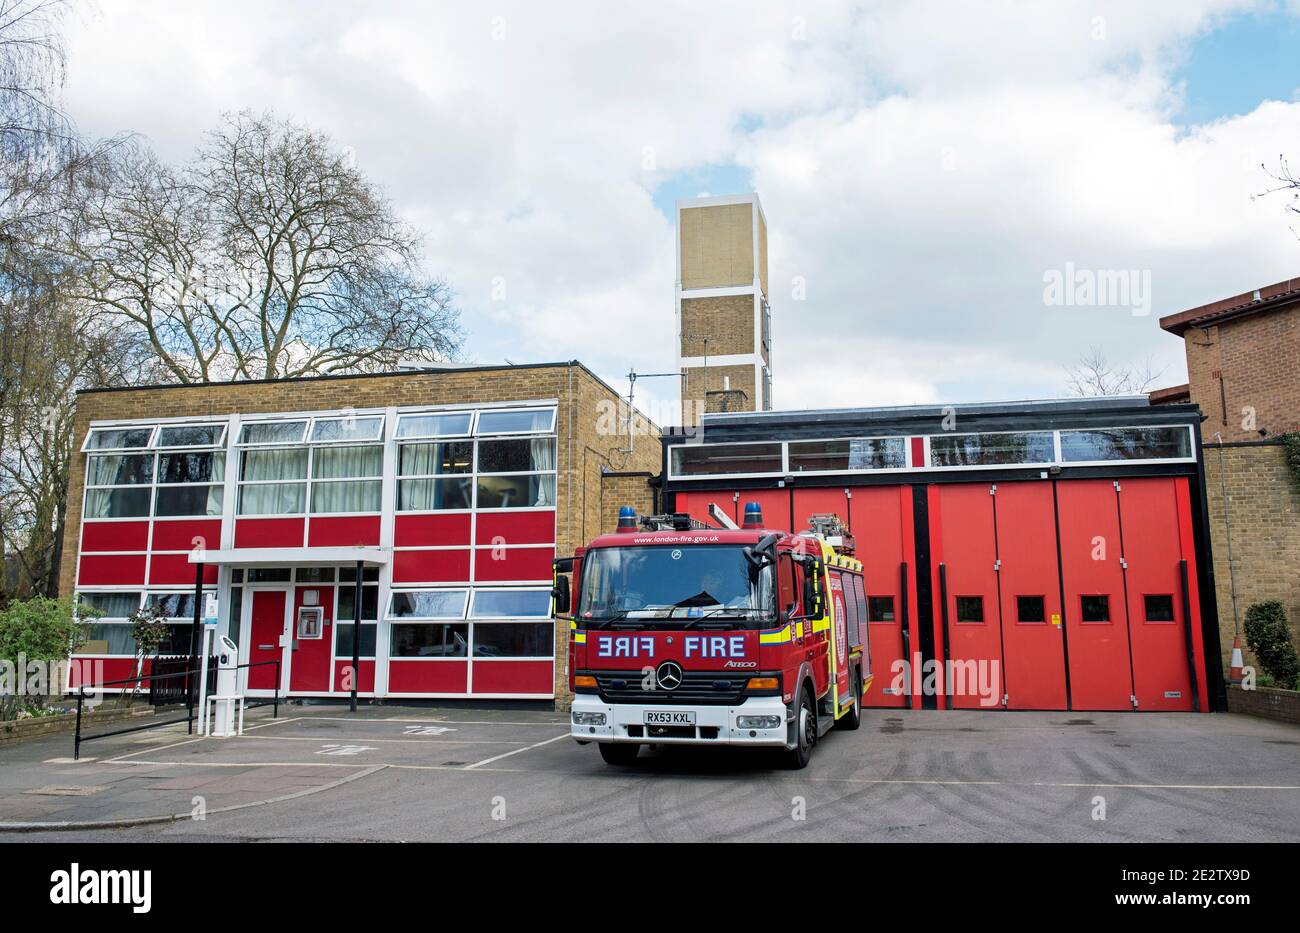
1096, 616
883, 545
1032, 640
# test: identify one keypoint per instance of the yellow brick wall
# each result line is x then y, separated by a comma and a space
717, 246
727, 321
1264, 508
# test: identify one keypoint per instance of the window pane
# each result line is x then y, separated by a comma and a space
272, 432
343, 640
970, 608
516, 456
347, 462
193, 435
112, 605
274, 464
172, 605
432, 494
511, 603
431, 459
369, 602
1159, 608
177, 641
109, 638
235, 617
269, 575
192, 468
700, 460
428, 604
880, 608
448, 425
272, 499
1095, 608
424, 640
1126, 444
514, 422
348, 429
987, 449
120, 470
314, 574
117, 503
189, 500
865, 453
1030, 609
514, 640
116, 438
349, 575
362, 496
516, 492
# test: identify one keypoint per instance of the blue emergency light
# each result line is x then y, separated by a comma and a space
627, 519
753, 515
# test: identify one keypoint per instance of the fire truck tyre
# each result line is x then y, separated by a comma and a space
618, 754
805, 733
853, 718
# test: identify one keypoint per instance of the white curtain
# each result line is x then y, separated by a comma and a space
347, 462
361, 496
543, 456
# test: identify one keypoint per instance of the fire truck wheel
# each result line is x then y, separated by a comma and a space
805, 733
618, 753
853, 718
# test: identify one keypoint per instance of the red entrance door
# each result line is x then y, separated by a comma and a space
1096, 617
882, 529
313, 639
266, 634
1032, 641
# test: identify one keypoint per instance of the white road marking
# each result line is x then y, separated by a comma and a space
426, 730
488, 761
341, 750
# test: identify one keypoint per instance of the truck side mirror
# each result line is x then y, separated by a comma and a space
811, 598
560, 594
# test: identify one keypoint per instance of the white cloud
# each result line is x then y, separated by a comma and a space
921, 165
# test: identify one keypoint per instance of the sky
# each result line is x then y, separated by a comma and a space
962, 199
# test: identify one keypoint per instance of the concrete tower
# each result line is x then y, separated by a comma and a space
724, 323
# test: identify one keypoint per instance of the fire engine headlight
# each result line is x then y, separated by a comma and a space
588, 719
757, 722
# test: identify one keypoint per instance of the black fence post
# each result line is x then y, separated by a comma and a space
275, 708
191, 692
76, 746
356, 638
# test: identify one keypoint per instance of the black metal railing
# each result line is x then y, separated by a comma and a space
184, 687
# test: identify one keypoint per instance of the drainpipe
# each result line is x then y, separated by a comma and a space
1227, 524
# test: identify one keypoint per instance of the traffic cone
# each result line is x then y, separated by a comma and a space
1234, 672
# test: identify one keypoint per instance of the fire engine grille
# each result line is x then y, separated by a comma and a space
704, 687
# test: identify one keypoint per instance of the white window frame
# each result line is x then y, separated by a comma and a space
405, 438
479, 413
674, 475
790, 471
464, 591
94, 428
1027, 464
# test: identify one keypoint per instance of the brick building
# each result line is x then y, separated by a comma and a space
1243, 372
451, 489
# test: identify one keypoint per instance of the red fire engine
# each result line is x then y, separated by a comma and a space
685, 634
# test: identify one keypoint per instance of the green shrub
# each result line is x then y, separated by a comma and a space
1269, 637
40, 629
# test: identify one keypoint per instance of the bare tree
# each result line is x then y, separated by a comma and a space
1094, 375
268, 255
1284, 180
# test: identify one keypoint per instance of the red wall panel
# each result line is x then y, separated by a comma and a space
428, 676
877, 514
93, 671
169, 569
344, 531
309, 662
523, 563
111, 570
513, 677
451, 566
431, 530
269, 532
365, 677
115, 536
179, 535
515, 527
1100, 675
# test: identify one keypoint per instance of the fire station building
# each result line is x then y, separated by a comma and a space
450, 489
1061, 544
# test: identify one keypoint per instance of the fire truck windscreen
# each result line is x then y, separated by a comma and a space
662, 586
